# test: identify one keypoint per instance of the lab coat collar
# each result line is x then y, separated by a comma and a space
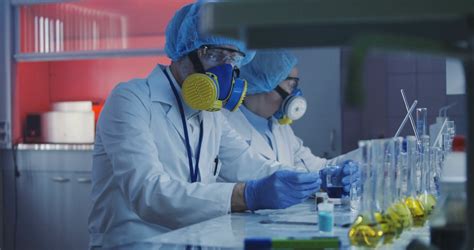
255, 138
160, 91
280, 143
261, 124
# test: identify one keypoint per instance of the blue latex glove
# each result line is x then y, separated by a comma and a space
280, 190
341, 176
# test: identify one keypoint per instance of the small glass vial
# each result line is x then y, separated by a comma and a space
326, 217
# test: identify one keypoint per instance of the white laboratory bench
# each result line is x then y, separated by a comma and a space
229, 231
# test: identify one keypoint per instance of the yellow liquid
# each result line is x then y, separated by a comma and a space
365, 233
428, 201
391, 228
400, 211
417, 211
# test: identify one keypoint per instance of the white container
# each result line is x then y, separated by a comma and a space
67, 127
79, 106
454, 169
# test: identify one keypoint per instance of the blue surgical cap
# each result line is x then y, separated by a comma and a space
183, 36
267, 70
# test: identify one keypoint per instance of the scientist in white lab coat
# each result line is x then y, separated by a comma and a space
154, 164
274, 100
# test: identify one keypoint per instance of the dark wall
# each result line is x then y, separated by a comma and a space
423, 77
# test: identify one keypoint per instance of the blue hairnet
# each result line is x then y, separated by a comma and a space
182, 35
267, 70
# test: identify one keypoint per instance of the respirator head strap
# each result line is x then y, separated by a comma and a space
281, 92
197, 64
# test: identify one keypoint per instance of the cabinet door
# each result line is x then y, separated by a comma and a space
42, 199
53, 208
77, 211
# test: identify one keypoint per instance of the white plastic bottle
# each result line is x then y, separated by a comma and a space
454, 167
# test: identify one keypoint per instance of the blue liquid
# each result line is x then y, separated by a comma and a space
335, 192
326, 221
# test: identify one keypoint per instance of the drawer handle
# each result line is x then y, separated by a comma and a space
84, 180
60, 179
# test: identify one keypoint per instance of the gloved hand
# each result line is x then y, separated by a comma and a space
341, 176
280, 190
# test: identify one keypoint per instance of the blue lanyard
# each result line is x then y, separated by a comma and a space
194, 172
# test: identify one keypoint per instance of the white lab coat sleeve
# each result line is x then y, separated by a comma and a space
152, 194
240, 162
303, 155
354, 155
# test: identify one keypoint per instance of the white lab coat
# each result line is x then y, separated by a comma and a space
140, 174
289, 148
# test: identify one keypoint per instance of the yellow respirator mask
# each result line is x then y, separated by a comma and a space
215, 88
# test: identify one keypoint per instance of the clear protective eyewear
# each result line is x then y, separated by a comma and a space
289, 85
292, 83
219, 55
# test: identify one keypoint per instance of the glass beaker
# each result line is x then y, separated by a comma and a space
426, 197
398, 209
390, 225
414, 173
334, 186
365, 231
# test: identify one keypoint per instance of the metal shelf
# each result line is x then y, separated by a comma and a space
83, 55
55, 147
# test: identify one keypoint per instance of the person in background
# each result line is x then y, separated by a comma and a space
274, 100
158, 138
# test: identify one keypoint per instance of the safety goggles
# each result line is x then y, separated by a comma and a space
218, 55
290, 86
292, 82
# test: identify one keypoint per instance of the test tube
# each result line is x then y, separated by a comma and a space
36, 28
446, 143
57, 42
123, 31
46, 35
378, 160
389, 174
451, 129
95, 31
52, 46
412, 165
41, 34
425, 162
421, 119
436, 165
354, 193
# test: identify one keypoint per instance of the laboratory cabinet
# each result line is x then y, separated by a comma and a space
52, 198
52, 210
